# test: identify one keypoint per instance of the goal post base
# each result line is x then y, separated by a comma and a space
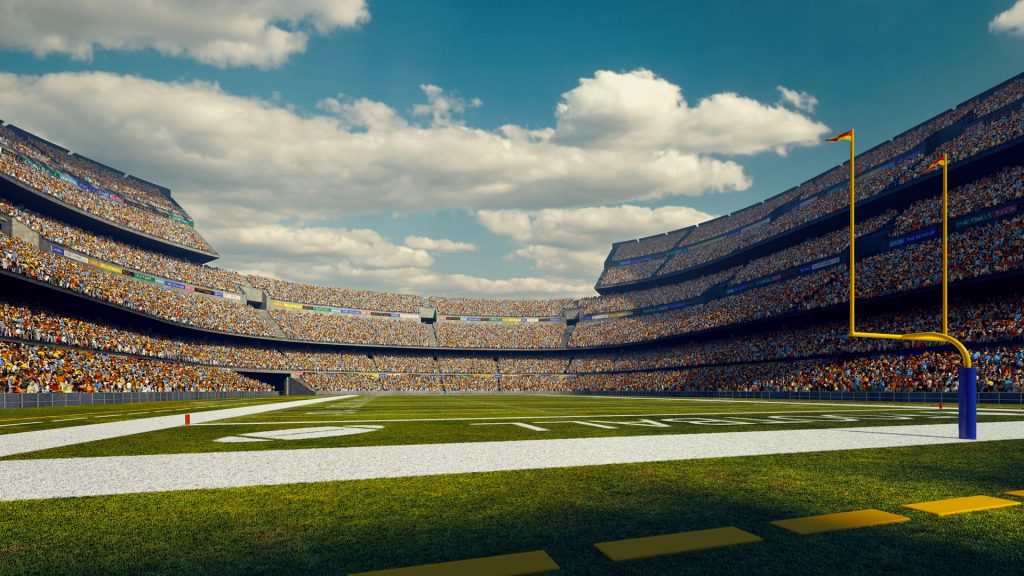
968, 408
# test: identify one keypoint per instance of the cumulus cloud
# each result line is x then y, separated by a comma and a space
436, 245
223, 33
1011, 21
259, 176
318, 245
444, 108
578, 240
640, 110
215, 148
424, 280
799, 100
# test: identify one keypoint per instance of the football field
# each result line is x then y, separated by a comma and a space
356, 483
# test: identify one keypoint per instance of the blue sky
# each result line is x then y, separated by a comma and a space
365, 144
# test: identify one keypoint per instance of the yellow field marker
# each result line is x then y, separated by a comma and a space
521, 564
1017, 493
839, 521
960, 505
636, 548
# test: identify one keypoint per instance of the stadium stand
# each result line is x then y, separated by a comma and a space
34, 168
43, 369
749, 301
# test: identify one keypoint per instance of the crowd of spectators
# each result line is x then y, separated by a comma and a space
982, 250
49, 182
384, 382
43, 325
125, 255
651, 245
323, 360
993, 320
1000, 369
992, 132
177, 306
798, 293
1005, 185
506, 335
32, 368
810, 250
520, 364
500, 307
990, 327
613, 275
96, 174
654, 296
878, 170
410, 303
338, 297
350, 329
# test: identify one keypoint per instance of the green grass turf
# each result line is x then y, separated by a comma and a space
14, 420
342, 527
405, 421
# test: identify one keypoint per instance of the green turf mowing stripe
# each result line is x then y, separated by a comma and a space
839, 521
1017, 493
637, 548
961, 505
521, 564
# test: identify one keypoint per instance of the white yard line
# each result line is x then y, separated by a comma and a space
33, 479
23, 442
17, 424
547, 417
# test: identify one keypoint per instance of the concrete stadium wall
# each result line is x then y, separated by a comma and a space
84, 399
923, 397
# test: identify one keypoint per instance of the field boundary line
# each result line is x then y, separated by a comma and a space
32, 441
97, 476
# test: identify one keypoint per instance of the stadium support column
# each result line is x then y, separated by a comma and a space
968, 403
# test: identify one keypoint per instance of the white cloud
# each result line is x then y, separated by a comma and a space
424, 281
221, 150
364, 113
444, 108
261, 178
799, 100
580, 262
640, 110
436, 245
587, 226
223, 33
1011, 21
578, 240
316, 245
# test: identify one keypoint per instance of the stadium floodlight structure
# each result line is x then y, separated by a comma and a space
968, 375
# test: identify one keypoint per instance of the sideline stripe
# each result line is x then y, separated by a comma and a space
577, 416
839, 521
637, 548
961, 505
520, 564
1017, 493
19, 424
29, 479
22, 442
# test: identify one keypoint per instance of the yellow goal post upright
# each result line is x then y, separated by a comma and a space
968, 375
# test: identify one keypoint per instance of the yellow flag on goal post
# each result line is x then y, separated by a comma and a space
848, 135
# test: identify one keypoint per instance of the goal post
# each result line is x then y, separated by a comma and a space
967, 375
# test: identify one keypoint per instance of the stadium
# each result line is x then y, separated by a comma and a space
706, 412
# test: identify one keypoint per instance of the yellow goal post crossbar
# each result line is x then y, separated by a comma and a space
919, 336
